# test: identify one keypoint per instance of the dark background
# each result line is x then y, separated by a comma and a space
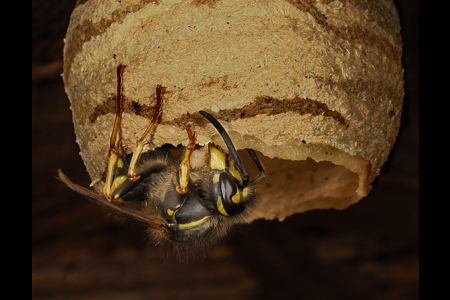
368, 251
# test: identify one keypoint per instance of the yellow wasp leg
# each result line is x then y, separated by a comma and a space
140, 143
114, 150
184, 166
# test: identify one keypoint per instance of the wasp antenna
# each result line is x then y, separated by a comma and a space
262, 172
226, 138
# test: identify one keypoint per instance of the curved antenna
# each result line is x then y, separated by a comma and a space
230, 146
262, 172
226, 138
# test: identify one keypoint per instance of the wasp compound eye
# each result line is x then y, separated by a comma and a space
229, 199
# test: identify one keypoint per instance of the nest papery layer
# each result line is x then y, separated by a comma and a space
317, 88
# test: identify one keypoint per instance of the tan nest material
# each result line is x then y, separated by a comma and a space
315, 87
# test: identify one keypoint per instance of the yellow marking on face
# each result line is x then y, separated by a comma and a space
235, 172
236, 197
217, 159
216, 178
118, 181
220, 207
170, 212
194, 223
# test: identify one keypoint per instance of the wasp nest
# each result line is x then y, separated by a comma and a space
316, 87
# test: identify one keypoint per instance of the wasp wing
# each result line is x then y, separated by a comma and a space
116, 207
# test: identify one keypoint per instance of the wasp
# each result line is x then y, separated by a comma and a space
182, 205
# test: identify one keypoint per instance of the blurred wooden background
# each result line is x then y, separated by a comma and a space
368, 251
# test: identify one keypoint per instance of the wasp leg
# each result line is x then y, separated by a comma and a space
114, 144
140, 143
184, 165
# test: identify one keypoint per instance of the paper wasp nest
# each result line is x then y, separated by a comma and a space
316, 87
